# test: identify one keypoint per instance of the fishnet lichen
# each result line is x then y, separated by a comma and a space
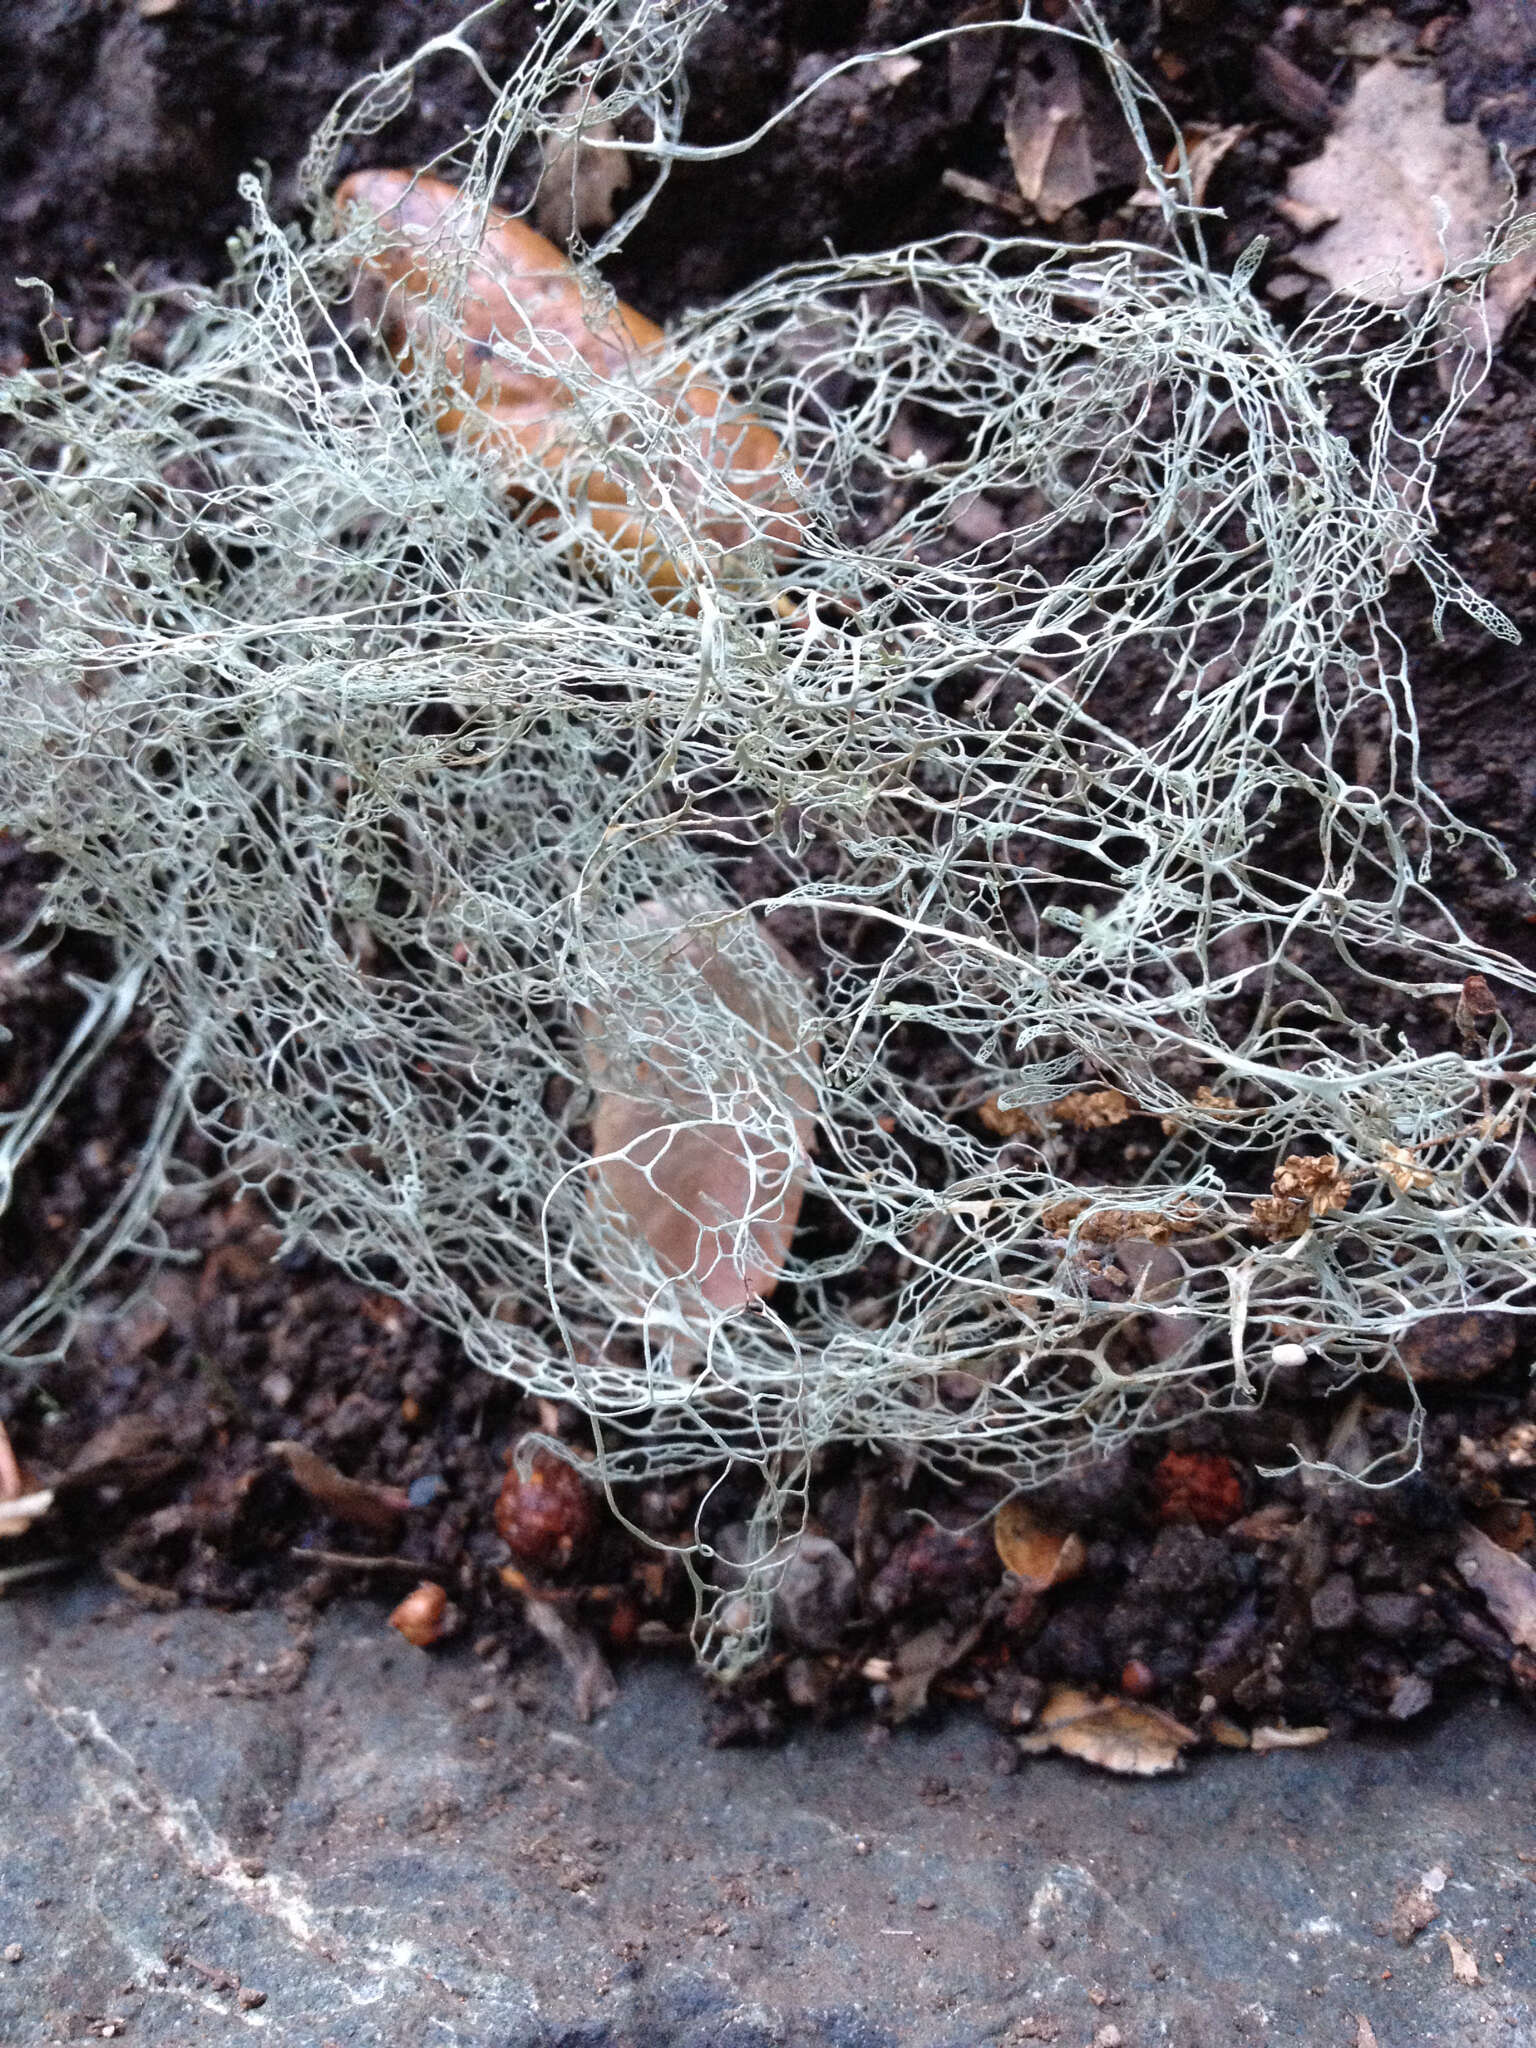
383, 780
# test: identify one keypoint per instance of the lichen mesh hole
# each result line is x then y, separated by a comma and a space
380, 783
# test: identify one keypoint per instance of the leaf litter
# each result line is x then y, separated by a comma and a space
1405, 194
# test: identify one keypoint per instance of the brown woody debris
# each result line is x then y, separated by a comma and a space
358, 1501
1412, 1911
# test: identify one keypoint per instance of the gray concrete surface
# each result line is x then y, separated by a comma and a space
402, 1848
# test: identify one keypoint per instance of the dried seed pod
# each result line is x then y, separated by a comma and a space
521, 298
548, 1517
421, 1616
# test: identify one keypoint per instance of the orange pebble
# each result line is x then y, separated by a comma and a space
420, 1615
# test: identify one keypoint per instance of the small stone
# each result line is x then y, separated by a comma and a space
1410, 1696
1453, 1350
1392, 1615
252, 1867
927, 1905
1335, 1604
14, 1952
248, 2000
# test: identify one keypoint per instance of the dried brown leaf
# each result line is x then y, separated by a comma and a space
1277, 1219
1505, 1581
1392, 157
1038, 1557
1116, 1734
1205, 152
1402, 1168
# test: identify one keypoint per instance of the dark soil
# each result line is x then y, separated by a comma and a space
1207, 1586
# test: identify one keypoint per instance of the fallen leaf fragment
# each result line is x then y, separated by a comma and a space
1067, 139
1205, 150
1278, 1736
1401, 1167
583, 172
1226, 1734
1463, 1963
1113, 1226
1365, 2033
712, 1204
1391, 162
1037, 1556
358, 1501
1116, 1734
501, 338
1505, 1581
919, 1661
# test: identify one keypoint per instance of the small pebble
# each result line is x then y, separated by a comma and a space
248, 2000
14, 1952
422, 1492
927, 1905
482, 1703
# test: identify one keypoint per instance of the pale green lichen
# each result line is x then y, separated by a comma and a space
362, 769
